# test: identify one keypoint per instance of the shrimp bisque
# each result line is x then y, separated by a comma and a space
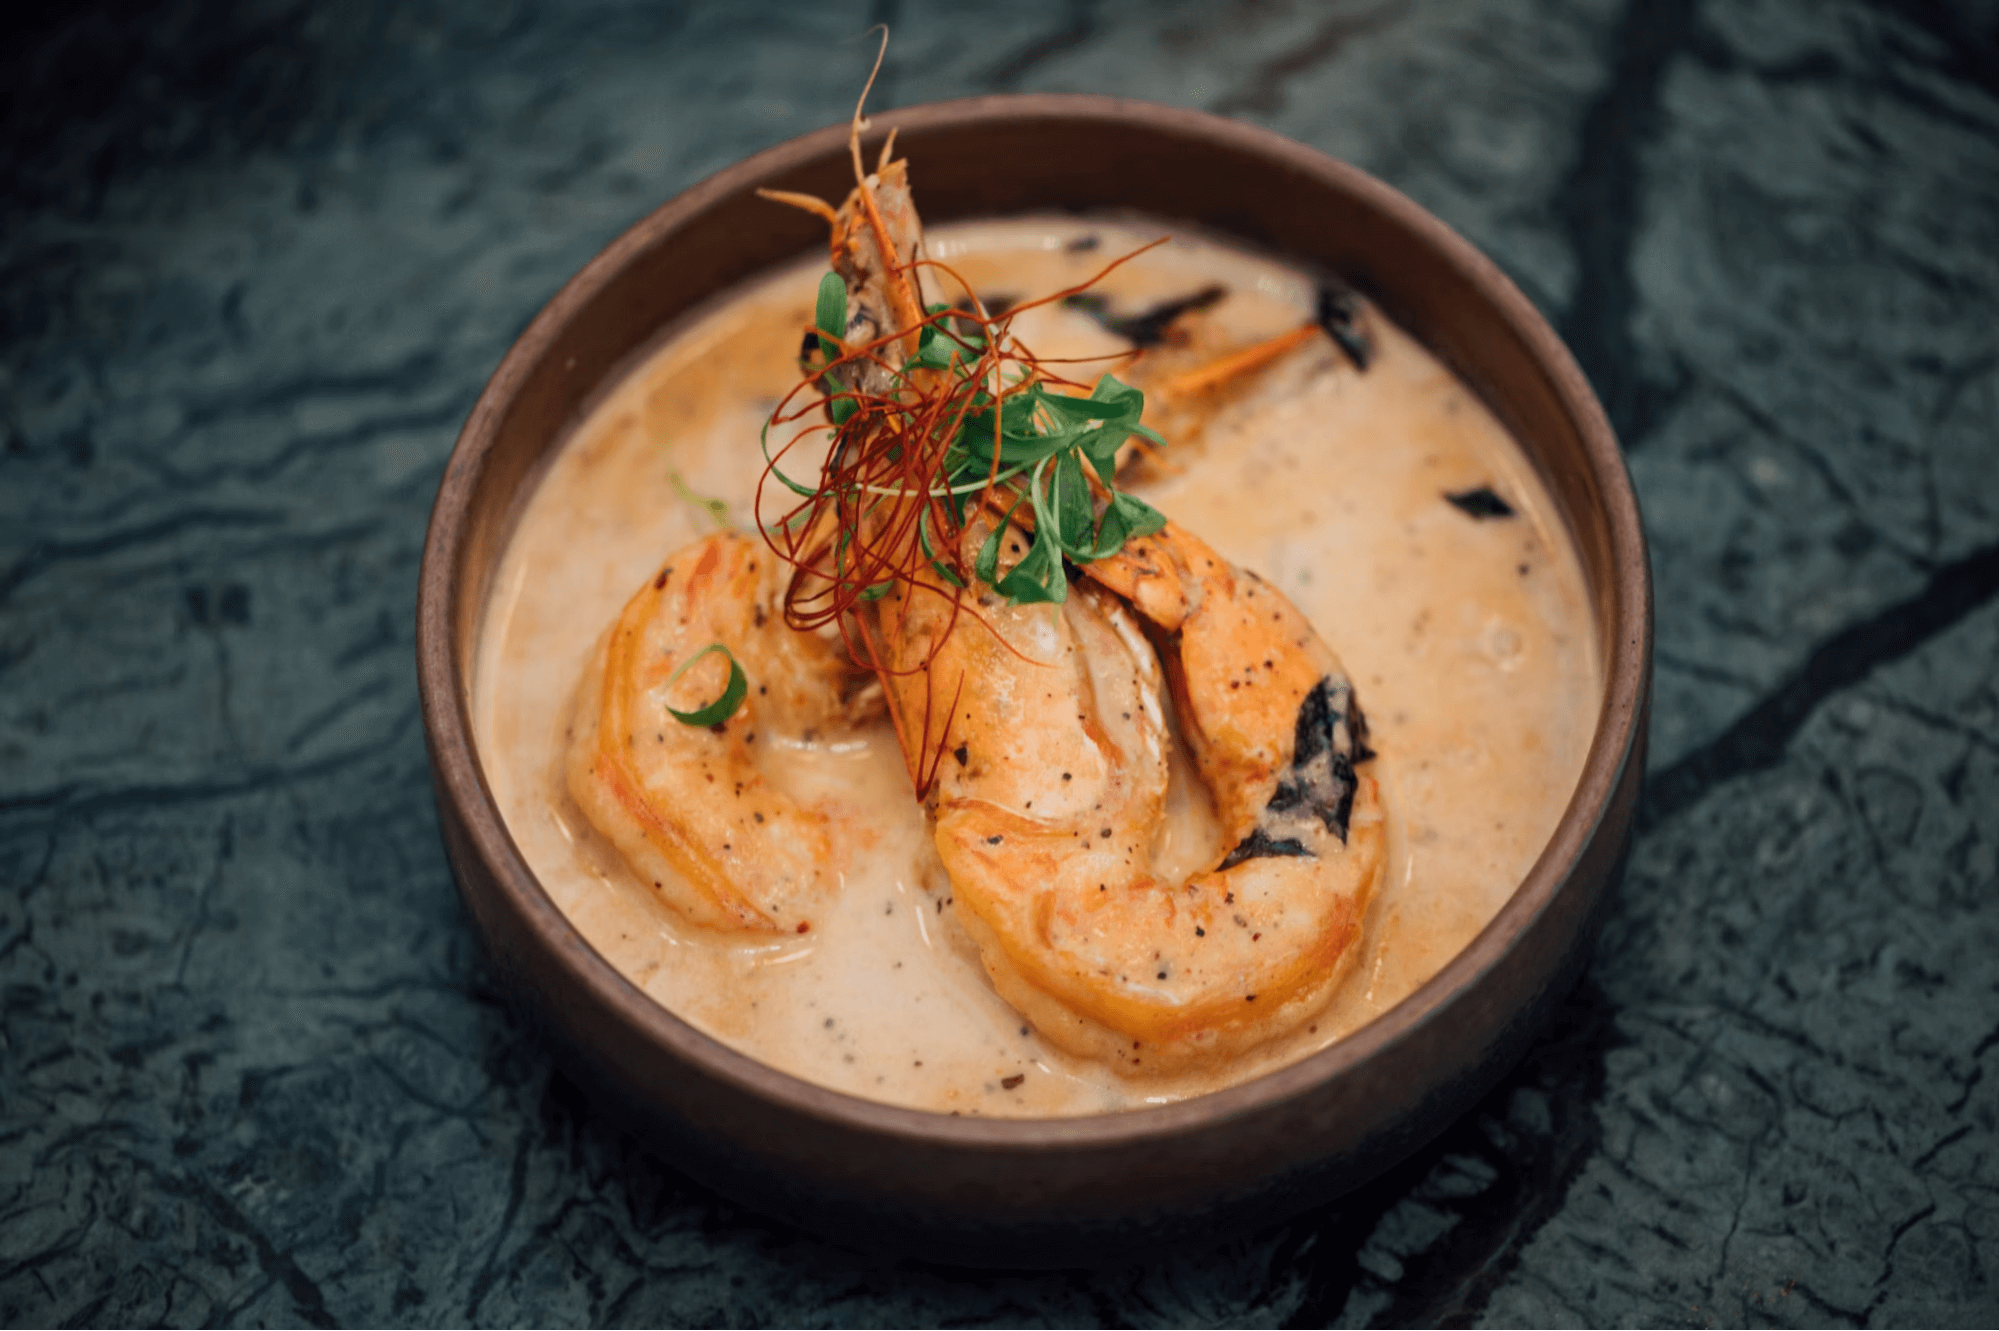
1257, 775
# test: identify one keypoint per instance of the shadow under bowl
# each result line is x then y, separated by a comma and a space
1048, 1192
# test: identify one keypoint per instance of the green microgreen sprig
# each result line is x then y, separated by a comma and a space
716, 509
918, 442
724, 707
1050, 437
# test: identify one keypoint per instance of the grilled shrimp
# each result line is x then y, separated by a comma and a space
1051, 785
687, 805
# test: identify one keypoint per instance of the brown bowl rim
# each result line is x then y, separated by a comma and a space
444, 677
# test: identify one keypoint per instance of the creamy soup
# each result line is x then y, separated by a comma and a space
1466, 630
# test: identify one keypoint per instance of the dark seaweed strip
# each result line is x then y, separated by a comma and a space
1328, 797
1337, 309
1357, 728
1335, 814
1259, 844
994, 305
1148, 328
1323, 792
1480, 503
1315, 726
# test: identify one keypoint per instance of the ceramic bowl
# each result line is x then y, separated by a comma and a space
1051, 1191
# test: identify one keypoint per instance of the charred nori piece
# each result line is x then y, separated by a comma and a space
1259, 844
995, 305
1480, 503
1329, 724
1146, 329
1338, 308
1331, 738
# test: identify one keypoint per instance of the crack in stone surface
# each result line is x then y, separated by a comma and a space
1757, 739
1600, 204
1262, 93
1498, 1173
1079, 26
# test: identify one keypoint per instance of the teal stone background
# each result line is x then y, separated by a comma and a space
256, 262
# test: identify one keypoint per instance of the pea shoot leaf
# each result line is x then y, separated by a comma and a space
723, 707
1005, 427
830, 314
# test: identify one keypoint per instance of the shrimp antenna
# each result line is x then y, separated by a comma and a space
860, 118
904, 301
816, 206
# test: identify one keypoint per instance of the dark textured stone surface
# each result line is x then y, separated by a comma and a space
255, 262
